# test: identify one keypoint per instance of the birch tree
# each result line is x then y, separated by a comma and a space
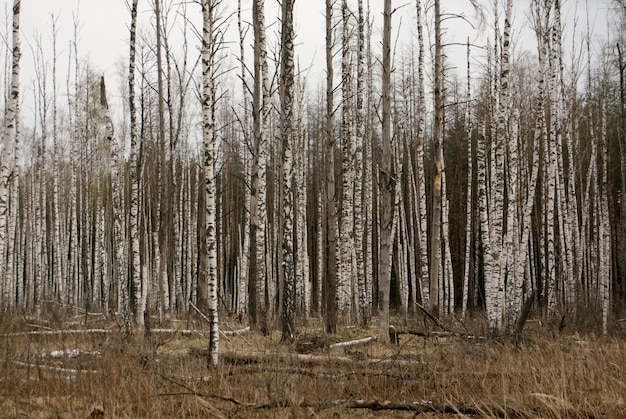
208, 135
7, 143
258, 214
436, 248
138, 301
330, 298
288, 260
117, 210
346, 230
360, 213
421, 177
387, 183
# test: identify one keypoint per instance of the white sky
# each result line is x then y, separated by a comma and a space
103, 29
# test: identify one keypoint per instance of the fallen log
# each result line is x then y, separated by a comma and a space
57, 332
252, 358
69, 353
52, 368
428, 406
352, 342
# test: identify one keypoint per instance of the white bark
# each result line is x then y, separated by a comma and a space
242, 284
208, 135
359, 198
289, 136
136, 279
421, 177
604, 229
58, 247
437, 257
468, 199
258, 212
117, 192
551, 173
7, 144
300, 155
346, 226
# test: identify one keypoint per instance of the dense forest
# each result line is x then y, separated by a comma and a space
399, 183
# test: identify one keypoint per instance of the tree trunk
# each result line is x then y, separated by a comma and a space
435, 274
9, 133
421, 177
387, 183
346, 228
208, 135
359, 168
330, 297
117, 193
288, 172
138, 307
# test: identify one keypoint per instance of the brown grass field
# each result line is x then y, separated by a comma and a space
545, 373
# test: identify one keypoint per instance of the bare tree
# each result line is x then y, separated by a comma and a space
288, 134
387, 183
138, 303
260, 111
330, 299
209, 292
117, 193
9, 132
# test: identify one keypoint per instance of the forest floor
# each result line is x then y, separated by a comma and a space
74, 367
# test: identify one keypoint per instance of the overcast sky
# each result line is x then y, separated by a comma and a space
103, 28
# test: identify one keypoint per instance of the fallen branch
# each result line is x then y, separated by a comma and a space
183, 332
352, 342
199, 312
430, 316
69, 353
51, 368
434, 334
428, 406
246, 358
252, 358
519, 325
236, 332
57, 332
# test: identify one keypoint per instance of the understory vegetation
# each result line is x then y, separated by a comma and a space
77, 366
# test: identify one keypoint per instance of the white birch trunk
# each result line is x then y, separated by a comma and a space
208, 135
258, 207
136, 278
301, 234
468, 210
289, 135
8, 146
116, 191
421, 177
57, 247
514, 283
436, 274
551, 172
242, 284
346, 226
359, 195
604, 229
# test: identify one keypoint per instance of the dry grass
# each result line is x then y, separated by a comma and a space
546, 374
